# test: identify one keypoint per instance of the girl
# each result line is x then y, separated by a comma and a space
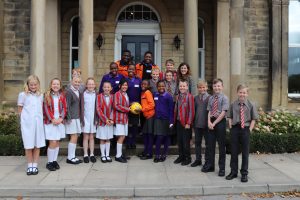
134, 94
170, 83
184, 73
154, 80
55, 109
88, 119
30, 109
104, 108
148, 112
163, 120
121, 106
77, 72
73, 126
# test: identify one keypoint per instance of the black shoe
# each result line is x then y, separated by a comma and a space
162, 158
73, 161
50, 166
78, 160
126, 157
86, 159
231, 176
35, 171
141, 155
156, 160
186, 162
29, 171
206, 169
244, 178
221, 172
178, 160
196, 163
146, 157
108, 159
93, 159
121, 159
56, 165
103, 159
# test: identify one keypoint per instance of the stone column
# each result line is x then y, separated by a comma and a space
37, 39
191, 37
237, 45
222, 44
53, 43
86, 39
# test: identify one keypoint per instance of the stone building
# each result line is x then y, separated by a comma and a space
240, 41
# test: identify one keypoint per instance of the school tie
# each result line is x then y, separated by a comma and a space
169, 89
215, 107
242, 115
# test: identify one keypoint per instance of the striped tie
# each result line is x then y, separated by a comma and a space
242, 115
215, 107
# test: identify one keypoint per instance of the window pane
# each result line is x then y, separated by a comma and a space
200, 63
200, 34
75, 23
131, 48
294, 50
75, 62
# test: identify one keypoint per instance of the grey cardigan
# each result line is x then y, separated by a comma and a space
73, 104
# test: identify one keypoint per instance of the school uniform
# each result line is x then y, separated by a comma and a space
153, 86
81, 87
73, 125
121, 110
219, 131
32, 126
114, 80
171, 88
55, 110
184, 114
241, 113
162, 75
143, 70
88, 115
192, 87
122, 68
200, 125
105, 112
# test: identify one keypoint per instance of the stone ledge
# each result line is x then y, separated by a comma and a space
235, 189
85, 191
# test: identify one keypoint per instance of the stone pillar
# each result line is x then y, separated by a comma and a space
53, 42
222, 44
86, 38
1, 54
237, 45
191, 37
37, 39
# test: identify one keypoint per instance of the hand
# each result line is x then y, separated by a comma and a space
187, 126
59, 120
210, 125
171, 126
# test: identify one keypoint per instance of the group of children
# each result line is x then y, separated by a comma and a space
167, 105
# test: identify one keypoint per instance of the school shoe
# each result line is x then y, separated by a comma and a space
93, 159
244, 178
206, 169
196, 163
156, 160
121, 159
146, 157
186, 162
78, 160
108, 159
35, 171
103, 159
231, 176
29, 171
141, 155
162, 158
73, 161
56, 165
221, 172
178, 160
50, 166
86, 159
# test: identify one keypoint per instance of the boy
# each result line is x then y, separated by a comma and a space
217, 108
154, 80
242, 115
200, 123
169, 67
184, 116
113, 77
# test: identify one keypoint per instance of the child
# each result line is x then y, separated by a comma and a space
105, 126
170, 83
73, 126
169, 67
134, 94
77, 72
88, 119
148, 112
144, 69
242, 115
154, 80
55, 110
121, 109
200, 122
184, 73
30, 109
113, 77
163, 120
217, 108
184, 115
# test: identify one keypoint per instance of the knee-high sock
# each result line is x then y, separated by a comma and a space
102, 149
167, 142
119, 150
56, 154
50, 154
158, 142
71, 150
107, 149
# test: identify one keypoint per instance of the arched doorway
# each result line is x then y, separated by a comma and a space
138, 30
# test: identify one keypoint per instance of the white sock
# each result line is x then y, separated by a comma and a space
29, 165
71, 150
107, 148
91, 154
56, 154
34, 164
102, 149
50, 154
119, 150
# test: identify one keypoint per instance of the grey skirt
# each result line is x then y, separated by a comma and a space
133, 120
148, 126
161, 127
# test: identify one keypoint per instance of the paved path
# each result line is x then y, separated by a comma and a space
267, 173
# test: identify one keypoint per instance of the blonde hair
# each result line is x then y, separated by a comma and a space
154, 70
90, 79
76, 70
242, 86
171, 61
48, 92
32, 78
202, 82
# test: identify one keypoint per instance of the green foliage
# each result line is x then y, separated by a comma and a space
9, 124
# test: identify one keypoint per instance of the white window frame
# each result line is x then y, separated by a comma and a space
202, 50
71, 48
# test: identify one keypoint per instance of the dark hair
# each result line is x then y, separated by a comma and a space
216, 80
122, 81
107, 82
180, 76
148, 83
169, 71
126, 51
160, 81
148, 52
112, 63
131, 64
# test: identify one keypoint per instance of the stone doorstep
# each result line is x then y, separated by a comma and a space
142, 191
